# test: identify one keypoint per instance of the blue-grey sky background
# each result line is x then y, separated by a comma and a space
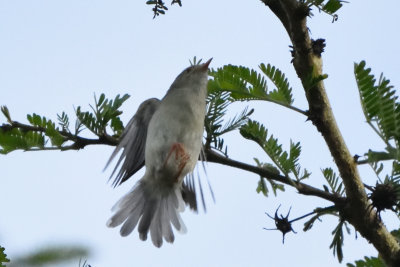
55, 55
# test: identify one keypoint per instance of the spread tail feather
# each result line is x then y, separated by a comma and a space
149, 211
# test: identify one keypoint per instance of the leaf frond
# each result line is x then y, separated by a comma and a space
247, 84
379, 103
17, 139
104, 112
334, 181
338, 239
319, 213
286, 162
283, 91
217, 104
328, 6
6, 113
262, 186
368, 262
63, 121
3, 257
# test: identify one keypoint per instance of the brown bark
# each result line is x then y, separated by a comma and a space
308, 65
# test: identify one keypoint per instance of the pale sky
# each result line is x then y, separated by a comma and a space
56, 54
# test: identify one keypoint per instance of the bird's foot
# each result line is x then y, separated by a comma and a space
181, 157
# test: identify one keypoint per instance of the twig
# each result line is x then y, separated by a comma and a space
78, 141
304, 189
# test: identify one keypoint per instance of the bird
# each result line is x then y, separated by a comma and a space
165, 136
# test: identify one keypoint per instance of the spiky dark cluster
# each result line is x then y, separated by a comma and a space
303, 10
318, 46
282, 224
176, 2
385, 196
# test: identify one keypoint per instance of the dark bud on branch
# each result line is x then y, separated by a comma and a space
385, 196
282, 223
318, 46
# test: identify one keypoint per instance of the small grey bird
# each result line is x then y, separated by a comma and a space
166, 137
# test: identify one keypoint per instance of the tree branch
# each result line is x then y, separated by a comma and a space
78, 141
213, 156
308, 65
299, 110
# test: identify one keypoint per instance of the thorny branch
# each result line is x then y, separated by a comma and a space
211, 156
308, 65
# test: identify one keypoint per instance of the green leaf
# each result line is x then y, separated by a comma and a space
317, 2
294, 154
338, 239
88, 119
243, 83
31, 139
6, 113
376, 156
3, 257
37, 120
63, 121
247, 84
217, 104
283, 92
368, 262
104, 112
15, 139
55, 137
379, 103
179, 2
262, 186
52, 256
236, 122
101, 99
330, 6
286, 162
158, 8
395, 176
117, 126
333, 181
319, 212
377, 168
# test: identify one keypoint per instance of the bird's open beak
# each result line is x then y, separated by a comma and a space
205, 65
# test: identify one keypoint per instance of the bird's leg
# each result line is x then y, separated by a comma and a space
180, 155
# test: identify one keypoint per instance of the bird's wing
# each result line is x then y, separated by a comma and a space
133, 142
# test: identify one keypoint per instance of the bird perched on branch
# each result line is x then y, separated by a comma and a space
166, 136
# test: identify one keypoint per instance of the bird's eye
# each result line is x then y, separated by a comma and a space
189, 69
